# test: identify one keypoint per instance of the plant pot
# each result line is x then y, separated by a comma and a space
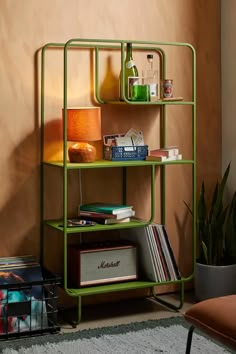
214, 281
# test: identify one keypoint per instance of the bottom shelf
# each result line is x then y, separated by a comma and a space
101, 289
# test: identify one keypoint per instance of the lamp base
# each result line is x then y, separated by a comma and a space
82, 152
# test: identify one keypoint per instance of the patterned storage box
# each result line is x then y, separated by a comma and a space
125, 153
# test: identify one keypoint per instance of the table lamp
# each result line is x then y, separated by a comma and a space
83, 125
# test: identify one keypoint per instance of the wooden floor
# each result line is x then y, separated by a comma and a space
126, 311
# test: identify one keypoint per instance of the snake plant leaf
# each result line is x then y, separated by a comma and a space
187, 206
217, 201
205, 252
230, 232
201, 209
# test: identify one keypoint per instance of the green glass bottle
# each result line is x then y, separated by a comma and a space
131, 71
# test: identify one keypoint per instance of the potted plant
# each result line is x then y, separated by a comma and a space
216, 233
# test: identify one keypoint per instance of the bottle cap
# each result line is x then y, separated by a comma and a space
150, 56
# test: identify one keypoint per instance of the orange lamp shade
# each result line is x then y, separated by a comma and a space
83, 125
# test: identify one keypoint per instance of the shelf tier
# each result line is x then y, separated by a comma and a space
98, 227
110, 164
155, 103
92, 290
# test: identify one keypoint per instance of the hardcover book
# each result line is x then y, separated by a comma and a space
91, 215
107, 208
167, 151
164, 158
106, 221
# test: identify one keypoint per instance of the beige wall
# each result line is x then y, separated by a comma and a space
228, 53
29, 24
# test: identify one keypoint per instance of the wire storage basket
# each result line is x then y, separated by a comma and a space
29, 308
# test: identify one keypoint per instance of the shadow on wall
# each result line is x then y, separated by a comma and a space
20, 215
20, 211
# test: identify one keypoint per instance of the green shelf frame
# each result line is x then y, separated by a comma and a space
97, 45
113, 164
73, 230
118, 287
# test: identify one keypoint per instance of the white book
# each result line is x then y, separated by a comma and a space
166, 151
164, 158
139, 236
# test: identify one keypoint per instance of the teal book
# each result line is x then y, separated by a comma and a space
108, 208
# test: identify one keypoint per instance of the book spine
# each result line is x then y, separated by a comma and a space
93, 214
164, 158
167, 152
97, 220
105, 209
95, 209
103, 221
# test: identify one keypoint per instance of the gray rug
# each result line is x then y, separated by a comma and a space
155, 336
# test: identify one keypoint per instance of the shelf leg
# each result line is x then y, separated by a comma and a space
77, 321
167, 303
79, 307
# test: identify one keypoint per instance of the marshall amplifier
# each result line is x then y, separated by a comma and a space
93, 264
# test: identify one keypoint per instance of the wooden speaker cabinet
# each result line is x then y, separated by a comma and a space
93, 264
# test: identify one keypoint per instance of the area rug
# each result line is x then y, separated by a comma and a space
153, 336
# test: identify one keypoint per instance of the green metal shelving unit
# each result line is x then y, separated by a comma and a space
96, 45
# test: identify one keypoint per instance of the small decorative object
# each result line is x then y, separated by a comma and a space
125, 147
167, 88
140, 92
150, 77
83, 125
131, 73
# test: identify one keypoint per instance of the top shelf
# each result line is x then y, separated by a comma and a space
98, 45
113, 43
160, 103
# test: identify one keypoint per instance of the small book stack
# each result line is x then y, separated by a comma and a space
106, 214
156, 258
170, 153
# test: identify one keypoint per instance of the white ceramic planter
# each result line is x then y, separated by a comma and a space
214, 281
